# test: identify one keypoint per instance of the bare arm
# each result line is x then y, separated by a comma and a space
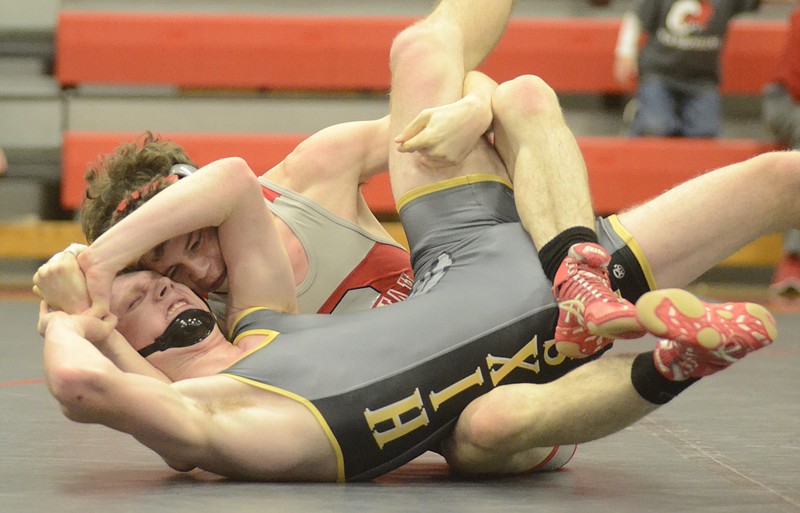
91, 389
429, 61
214, 423
347, 152
62, 286
345, 155
224, 194
331, 165
445, 135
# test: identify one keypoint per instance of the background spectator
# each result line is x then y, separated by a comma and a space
678, 66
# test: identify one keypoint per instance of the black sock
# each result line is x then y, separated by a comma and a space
651, 384
553, 253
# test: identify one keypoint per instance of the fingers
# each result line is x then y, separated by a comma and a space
96, 330
75, 248
103, 314
98, 310
98, 286
412, 130
109, 324
44, 318
415, 144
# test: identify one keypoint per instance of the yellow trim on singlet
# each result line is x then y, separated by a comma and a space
269, 336
626, 236
447, 184
340, 477
239, 318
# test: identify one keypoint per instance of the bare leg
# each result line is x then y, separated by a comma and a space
552, 196
689, 229
513, 427
429, 61
540, 150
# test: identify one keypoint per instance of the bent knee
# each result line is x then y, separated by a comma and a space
417, 44
779, 168
493, 422
526, 95
787, 163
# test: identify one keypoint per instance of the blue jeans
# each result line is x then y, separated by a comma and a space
667, 109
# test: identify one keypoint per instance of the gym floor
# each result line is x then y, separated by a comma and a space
730, 443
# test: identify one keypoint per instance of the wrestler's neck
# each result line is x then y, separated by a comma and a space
295, 249
210, 357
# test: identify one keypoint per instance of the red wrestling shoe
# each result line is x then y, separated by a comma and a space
591, 315
703, 338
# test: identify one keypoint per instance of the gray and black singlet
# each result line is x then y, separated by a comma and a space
387, 385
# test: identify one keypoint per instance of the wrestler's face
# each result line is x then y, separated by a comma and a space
194, 259
145, 303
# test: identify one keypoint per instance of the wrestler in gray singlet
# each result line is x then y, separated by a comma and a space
388, 384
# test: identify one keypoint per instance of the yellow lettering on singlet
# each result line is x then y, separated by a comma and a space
439, 398
554, 358
392, 414
509, 364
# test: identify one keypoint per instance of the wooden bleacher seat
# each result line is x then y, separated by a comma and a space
37, 240
340, 53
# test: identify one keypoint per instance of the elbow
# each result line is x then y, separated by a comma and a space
779, 168
235, 164
237, 173
233, 182
75, 389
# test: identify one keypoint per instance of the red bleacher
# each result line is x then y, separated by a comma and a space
622, 171
343, 54
348, 53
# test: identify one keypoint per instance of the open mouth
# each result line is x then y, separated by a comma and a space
176, 308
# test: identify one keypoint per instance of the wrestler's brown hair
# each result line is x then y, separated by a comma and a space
126, 178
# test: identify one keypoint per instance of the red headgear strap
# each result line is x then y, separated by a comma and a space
147, 188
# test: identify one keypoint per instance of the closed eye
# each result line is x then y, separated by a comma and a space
171, 272
195, 241
137, 300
